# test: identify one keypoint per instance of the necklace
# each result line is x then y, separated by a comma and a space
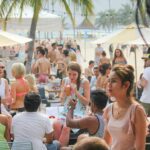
119, 112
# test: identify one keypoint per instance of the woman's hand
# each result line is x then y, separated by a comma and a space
72, 104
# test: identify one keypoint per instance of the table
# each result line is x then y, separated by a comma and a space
57, 91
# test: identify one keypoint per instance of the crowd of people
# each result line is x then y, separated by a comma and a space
99, 101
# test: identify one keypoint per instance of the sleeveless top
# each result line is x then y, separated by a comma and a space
2, 88
4, 144
80, 108
121, 130
2, 94
100, 130
22, 82
123, 62
19, 101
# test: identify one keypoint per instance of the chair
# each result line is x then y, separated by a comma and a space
15, 145
43, 96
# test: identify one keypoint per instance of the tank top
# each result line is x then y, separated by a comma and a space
80, 108
2, 88
121, 130
100, 130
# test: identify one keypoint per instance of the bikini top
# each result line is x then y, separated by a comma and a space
22, 81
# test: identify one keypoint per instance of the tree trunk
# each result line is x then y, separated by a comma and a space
143, 15
31, 44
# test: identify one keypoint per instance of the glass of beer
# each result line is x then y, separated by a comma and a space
68, 90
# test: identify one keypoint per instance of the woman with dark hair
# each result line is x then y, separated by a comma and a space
119, 57
4, 90
73, 87
103, 77
125, 118
78, 87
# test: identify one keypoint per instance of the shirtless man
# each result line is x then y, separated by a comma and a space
52, 54
42, 66
98, 53
60, 53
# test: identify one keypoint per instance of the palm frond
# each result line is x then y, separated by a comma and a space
68, 11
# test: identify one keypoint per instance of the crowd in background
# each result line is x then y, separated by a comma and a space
102, 94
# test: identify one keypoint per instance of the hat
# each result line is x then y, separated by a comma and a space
146, 56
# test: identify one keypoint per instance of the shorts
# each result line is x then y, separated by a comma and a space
42, 78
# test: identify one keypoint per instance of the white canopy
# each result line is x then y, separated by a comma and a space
140, 41
46, 23
9, 39
128, 35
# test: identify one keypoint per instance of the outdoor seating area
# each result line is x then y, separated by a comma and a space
74, 75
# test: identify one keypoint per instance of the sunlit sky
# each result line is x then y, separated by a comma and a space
101, 5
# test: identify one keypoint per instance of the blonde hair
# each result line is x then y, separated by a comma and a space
18, 70
31, 81
73, 57
91, 143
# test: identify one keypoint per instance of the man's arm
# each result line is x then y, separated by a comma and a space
49, 137
143, 82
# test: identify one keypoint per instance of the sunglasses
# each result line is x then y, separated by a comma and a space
2, 67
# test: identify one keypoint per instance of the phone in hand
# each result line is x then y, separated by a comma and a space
74, 100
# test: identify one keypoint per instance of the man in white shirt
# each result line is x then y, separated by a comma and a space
145, 83
94, 78
32, 126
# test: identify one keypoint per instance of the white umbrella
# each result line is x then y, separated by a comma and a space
129, 33
139, 41
9, 39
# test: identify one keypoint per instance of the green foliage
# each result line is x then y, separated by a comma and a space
110, 19
8, 6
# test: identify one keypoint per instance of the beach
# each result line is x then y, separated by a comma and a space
134, 59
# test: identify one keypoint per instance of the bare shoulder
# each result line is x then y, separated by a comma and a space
3, 119
140, 109
6, 82
13, 84
85, 81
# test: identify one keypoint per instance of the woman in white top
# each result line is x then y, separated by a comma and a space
4, 90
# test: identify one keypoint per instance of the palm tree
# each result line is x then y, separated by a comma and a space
142, 10
7, 6
64, 25
126, 15
107, 20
